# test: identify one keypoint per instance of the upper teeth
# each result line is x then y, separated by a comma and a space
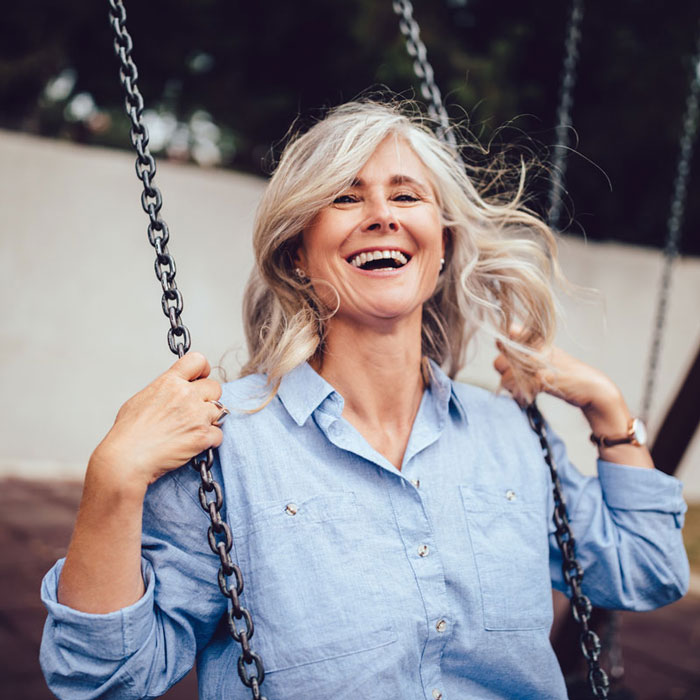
361, 258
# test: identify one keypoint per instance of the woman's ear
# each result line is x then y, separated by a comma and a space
300, 261
298, 256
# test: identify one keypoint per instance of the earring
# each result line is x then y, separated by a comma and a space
299, 273
442, 264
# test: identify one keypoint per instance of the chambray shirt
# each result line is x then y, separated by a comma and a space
365, 581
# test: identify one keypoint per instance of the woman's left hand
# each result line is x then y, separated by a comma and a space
565, 377
582, 386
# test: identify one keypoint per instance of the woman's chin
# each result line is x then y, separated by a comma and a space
385, 315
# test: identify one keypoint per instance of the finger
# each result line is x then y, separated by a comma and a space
507, 380
207, 389
216, 436
523, 394
515, 330
216, 412
213, 436
501, 364
191, 366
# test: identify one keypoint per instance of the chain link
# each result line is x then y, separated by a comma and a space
424, 71
573, 573
250, 665
566, 103
674, 224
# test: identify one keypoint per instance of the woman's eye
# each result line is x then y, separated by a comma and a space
345, 199
405, 197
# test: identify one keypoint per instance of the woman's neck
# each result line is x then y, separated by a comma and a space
378, 373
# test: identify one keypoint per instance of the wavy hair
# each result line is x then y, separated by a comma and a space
501, 259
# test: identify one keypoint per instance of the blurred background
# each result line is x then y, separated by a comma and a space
81, 325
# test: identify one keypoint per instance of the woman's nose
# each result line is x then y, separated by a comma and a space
380, 217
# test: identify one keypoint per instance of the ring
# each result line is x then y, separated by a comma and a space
224, 412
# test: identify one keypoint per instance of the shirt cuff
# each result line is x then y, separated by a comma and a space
637, 488
114, 635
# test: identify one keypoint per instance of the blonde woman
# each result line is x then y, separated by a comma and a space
393, 526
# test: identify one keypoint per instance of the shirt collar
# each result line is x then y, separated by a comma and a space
443, 389
303, 390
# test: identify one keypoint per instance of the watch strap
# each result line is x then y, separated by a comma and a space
630, 438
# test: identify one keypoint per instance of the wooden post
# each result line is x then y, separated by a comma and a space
680, 423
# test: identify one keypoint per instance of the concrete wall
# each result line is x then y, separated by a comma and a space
81, 327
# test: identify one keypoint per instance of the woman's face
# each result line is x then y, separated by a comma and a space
380, 242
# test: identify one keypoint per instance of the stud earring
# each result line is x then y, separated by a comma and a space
299, 273
442, 264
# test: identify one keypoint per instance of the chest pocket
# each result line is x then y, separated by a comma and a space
310, 584
511, 555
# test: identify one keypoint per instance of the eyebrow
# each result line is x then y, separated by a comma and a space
396, 180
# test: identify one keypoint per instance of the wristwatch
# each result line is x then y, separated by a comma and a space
636, 435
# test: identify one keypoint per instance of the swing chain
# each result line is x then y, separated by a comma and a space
423, 70
151, 198
219, 533
564, 119
581, 607
674, 226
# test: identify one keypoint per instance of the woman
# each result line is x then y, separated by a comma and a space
393, 526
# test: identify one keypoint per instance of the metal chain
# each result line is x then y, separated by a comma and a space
250, 666
675, 221
424, 71
573, 573
566, 103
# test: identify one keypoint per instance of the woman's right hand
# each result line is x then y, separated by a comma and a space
163, 426
156, 431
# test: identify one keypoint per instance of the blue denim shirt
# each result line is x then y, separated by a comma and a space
365, 581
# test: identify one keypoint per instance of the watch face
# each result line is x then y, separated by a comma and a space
639, 431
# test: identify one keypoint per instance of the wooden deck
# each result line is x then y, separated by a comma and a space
661, 649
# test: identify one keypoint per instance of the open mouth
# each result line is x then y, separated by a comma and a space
379, 260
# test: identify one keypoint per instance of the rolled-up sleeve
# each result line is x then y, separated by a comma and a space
627, 525
79, 648
141, 650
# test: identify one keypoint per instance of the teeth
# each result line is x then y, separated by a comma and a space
360, 259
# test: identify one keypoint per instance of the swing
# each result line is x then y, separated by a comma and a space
250, 665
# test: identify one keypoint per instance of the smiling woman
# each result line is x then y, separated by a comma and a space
394, 527
369, 178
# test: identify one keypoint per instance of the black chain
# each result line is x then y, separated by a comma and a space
219, 533
424, 71
566, 103
674, 225
573, 573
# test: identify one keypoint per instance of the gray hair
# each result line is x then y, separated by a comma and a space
501, 259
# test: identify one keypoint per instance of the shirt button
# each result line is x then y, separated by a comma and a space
441, 625
510, 495
291, 509
437, 694
423, 550
416, 482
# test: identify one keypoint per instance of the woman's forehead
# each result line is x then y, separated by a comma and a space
395, 162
